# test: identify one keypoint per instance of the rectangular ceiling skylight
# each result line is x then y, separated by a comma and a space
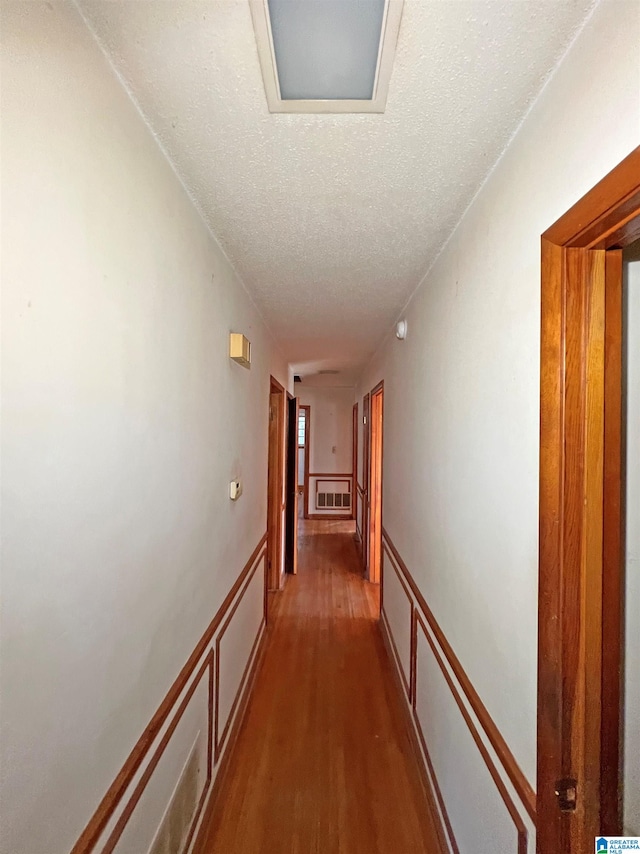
326, 49
326, 56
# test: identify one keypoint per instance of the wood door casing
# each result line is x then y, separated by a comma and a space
291, 538
375, 485
613, 550
366, 427
579, 647
354, 464
307, 428
275, 484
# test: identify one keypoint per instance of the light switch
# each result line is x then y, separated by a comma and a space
235, 489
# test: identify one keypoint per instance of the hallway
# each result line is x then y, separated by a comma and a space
409, 299
323, 762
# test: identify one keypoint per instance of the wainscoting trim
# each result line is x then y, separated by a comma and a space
405, 682
359, 516
116, 833
506, 758
332, 475
220, 740
429, 782
112, 799
244, 692
523, 836
409, 683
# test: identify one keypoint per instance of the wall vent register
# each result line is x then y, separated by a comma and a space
333, 499
326, 56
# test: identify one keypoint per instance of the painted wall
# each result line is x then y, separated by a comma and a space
331, 427
123, 422
461, 393
632, 658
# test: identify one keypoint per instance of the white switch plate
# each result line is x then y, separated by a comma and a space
235, 489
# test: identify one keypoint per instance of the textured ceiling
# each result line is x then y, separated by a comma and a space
332, 220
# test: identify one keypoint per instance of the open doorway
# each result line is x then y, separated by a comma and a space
291, 512
354, 466
366, 427
582, 508
375, 485
304, 426
275, 486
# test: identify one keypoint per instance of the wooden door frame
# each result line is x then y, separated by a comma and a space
291, 486
275, 490
307, 445
366, 426
354, 465
580, 606
374, 525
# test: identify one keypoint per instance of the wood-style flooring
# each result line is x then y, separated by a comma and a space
323, 763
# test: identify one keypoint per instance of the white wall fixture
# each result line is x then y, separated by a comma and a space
240, 349
235, 489
401, 329
326, 56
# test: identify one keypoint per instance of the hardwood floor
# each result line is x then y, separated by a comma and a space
323, 763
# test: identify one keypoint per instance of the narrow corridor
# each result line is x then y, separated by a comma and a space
323, 762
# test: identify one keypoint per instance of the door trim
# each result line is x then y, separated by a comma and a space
275, 489
307, 445
575, 726
354, 463
366, 427
374, 479
291, 485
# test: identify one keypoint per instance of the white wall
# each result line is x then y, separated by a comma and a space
123, 422
632, 657
462, 392
331, 426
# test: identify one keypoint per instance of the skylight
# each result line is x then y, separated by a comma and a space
326, 56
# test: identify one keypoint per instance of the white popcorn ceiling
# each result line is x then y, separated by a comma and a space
332, 221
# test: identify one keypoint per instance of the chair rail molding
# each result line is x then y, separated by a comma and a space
418, 647
111, 818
